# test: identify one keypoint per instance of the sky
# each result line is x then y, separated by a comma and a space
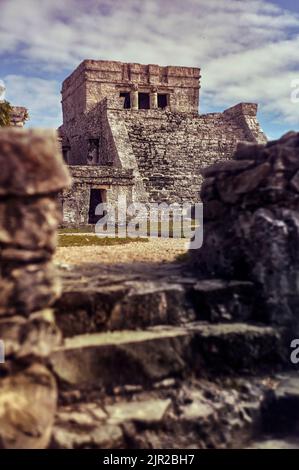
247, 50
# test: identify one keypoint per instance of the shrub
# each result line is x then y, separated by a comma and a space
5, 110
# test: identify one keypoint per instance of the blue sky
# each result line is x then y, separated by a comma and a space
247, 50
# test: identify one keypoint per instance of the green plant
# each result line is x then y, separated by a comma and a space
65, 240
5, 111
26, 116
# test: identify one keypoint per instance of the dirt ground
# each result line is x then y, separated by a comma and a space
155, 250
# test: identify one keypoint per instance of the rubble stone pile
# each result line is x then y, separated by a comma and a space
32, 174
251, 225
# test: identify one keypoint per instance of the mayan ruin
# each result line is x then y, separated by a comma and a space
136, 130
149, 233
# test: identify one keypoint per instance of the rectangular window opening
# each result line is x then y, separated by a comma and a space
127, 99
162, 101
143, 100
65, 153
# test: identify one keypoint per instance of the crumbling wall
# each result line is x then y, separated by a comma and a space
115, 182
94, 80
172, 148
31, 177
251, 225
164, 148
86, 90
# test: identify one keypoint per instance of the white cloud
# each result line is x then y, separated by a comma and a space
248, 51
2, 90
40, 96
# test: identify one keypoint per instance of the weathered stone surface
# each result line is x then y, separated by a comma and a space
28, 288
29, 224
141, 357
106, 436
258, 238
294, 183
31, 176
34, 337
95, 301
147, 155
198, 408
287, 443
151, 411
89, 307
249, 151
149, 304
214, 209
195, 414
208, 190
229, 166
12, 255
85, 426
27, 407
216, 300
148, 356
249, 180
35, 163
230, 188
228, 348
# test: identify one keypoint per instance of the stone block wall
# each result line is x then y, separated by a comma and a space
94, 80
31, 177
172, 148
165, 149
112, 182
251, 225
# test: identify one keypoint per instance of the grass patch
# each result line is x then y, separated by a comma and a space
183, 258
82, 229
65, 240
173, 229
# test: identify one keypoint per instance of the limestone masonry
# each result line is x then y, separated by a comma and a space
135, 130
252, 226
33, 174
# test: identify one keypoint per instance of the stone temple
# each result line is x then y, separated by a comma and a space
135, 130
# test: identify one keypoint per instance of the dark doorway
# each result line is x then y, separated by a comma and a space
143, 101
96, 197
162, 101
65, 154
127, 102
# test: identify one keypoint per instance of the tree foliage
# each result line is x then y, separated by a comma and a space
5, 110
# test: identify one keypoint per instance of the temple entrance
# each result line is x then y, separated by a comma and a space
97, 196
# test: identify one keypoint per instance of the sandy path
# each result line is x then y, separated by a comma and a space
155, 250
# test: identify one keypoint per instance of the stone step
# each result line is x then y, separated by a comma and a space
143, 357
187, 414
287, 442
127, 305
91, 303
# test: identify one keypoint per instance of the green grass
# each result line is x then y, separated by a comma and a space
82, 229
65, 240
183, 257
157, 226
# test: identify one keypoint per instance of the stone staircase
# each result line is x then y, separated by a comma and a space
158, 359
